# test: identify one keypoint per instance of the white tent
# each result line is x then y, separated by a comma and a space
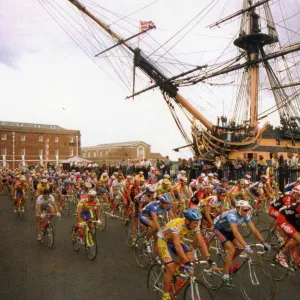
76, 159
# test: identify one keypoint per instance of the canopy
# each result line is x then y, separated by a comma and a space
76, 159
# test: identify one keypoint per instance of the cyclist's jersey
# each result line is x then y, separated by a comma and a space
20, 188
41, 188
154, 207
237, 193
45, 202
164, 190
211, 201
85, 204
292, 215
176, 226
117, 185
290, 186
230, 217
281, 202
196, 185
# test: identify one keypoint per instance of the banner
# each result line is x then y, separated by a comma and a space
23, 160
4, 160
56, 158
41, 160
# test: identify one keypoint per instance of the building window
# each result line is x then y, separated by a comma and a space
89, 154
56, 139
40, 138
22, 151
56, 151
3, 151
71, 152
71, 139
3, 136
40, 151
100, 154
83, 154
106, 153
23, 137
95, 154
140, 152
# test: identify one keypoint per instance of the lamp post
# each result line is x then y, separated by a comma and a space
13, 149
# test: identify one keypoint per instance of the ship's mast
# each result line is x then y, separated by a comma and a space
148, 68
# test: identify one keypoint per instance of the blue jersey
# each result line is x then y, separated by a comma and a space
290, 186
230, 217
154, 207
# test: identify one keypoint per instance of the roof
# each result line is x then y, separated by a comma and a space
30, 125
116, 145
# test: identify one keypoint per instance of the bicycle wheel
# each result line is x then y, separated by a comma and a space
75, 242
213, 278
155, 281
128, 233
197, 292
244, 230
103, 220
277, 271
90, 246
142, 256
257, 282
255, 214
50, 236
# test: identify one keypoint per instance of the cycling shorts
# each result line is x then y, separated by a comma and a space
273, 212
224, 236
145, 220
167, 250
85, 215
19, 193
288, 228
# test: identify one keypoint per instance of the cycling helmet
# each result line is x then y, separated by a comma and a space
167, 176
92, 193
296, 189
221, 190
184, 179
224, 180
102, 190
165, 198
242, 203
23, 178
151, 188
44, 180
263, 177
192, 214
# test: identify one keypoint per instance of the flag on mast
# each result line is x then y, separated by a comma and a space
145, 25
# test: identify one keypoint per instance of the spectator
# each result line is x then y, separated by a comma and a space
262, 166
275, 165
168, 165
292, 164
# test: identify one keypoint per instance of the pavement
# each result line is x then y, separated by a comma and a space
29, 270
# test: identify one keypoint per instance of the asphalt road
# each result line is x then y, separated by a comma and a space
31, 271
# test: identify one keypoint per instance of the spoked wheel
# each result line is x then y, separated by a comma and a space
142, 256
50, 236
257, 282
213, 278
198, 292
128, 233
75, 242
277, 271
90, 246
155, 281
19, 211
103, 220
255, 214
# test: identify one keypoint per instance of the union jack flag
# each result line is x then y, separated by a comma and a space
145, 25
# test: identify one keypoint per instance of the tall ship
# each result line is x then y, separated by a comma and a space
258, 68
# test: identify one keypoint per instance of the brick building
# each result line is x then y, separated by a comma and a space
33, 144
116, 152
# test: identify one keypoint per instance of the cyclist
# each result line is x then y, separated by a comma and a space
151, 212
44, 202
170, 243
140, 201
288, 220
85, 210
20, 192
212, 206
237, 193
226, 229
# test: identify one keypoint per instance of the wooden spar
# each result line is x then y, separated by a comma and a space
208, 124
240, 12
286, 85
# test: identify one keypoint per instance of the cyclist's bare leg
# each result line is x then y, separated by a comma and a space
134, 227
292, 244
168, 277
230, 251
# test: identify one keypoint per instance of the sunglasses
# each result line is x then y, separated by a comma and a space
246, 210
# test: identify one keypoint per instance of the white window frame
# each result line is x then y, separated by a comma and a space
41, 151
95, 154
56, 151
56, 139
40, 139
23, 151
83, 154
23, 137
71, 139
3, 136
89, 154
71, 152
